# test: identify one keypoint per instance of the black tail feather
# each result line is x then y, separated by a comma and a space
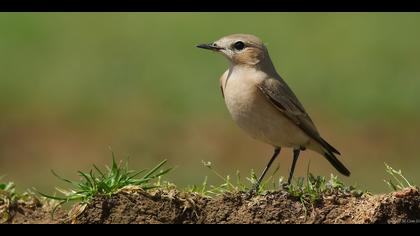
328, 146
336, 163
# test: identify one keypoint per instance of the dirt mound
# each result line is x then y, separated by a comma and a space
31, 212
161, 206
276, 207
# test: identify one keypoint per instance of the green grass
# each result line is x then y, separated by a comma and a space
97, 182
401, 181
313, 188
307, 189
232, 185
113, 179
9, 197
7, 192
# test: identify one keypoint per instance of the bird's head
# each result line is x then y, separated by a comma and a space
239, 49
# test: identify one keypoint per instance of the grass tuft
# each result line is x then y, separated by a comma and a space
307, 190
113, 179
9, 197
401, 181
230, 185
7, 192
313, 188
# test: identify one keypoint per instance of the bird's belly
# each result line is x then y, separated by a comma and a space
260, 119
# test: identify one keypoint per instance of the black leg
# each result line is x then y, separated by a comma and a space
296, 153
275, 154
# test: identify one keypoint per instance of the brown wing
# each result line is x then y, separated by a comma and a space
281, 96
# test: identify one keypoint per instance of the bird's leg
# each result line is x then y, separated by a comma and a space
296, 153
257, 185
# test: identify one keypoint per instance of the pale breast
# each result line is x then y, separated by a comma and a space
254, 114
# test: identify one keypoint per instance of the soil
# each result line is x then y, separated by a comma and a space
174, 207
31, 211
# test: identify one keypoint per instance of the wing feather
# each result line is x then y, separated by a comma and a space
282, 97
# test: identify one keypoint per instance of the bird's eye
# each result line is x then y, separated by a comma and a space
239, 45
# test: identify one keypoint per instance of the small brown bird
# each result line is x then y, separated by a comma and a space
262, 104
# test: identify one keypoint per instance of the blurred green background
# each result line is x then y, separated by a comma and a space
74, 84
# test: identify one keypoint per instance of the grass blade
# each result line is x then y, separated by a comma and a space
61, 178
154, 169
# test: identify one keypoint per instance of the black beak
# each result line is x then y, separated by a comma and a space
209, 46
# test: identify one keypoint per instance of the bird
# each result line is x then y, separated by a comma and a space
264, 106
